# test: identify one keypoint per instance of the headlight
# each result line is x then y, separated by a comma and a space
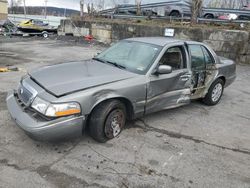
40, 105
65, 109
56, 110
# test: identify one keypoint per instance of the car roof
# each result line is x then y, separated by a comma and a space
160, 41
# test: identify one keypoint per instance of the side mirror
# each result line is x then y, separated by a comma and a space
164, 69
97, 54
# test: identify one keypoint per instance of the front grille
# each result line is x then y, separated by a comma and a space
24, 95
33, 113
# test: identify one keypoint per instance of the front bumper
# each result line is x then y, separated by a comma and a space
53, 130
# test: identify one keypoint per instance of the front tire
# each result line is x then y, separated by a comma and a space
107, 120
215, 93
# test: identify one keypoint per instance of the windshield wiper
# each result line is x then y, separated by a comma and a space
117, 65
109, 62
98, 59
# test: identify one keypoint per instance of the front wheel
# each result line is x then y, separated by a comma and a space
107, 120
214, 93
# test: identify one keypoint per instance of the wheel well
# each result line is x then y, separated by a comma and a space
175, 11
209, 14
223, 79
126, 102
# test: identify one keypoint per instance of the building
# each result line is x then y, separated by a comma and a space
3, 9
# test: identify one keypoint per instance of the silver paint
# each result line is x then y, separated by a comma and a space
89, 83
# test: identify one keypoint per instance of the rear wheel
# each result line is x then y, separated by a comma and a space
209, 16
175, 14
107, 120
214, 93
45, 34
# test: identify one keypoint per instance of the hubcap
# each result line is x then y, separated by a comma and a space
114, 123
217, 92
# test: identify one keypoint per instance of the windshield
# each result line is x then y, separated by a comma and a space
133, 56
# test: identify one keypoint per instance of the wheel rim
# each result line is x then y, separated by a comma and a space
114, 123
217, 92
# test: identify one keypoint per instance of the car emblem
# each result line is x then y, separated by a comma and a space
21, 91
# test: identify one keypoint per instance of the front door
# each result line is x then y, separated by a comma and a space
170, 90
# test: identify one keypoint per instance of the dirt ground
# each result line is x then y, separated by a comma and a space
192, 146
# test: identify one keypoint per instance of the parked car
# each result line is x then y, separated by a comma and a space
245, 16
246, 7
131, 79
228, 17
183, 8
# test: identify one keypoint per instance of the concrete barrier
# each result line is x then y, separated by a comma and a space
234, 44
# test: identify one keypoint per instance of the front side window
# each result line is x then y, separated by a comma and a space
173, 57
134, 56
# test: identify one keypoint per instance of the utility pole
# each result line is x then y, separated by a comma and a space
65, 12
24, 8
81, 8
45, 12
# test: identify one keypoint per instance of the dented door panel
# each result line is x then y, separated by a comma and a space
167, 91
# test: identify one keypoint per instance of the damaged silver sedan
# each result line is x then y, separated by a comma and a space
132, 78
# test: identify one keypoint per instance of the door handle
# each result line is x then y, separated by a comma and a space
185, 77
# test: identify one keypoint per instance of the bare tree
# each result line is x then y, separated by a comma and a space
138, 7
101, 5
196, 10
24, 8
81, 8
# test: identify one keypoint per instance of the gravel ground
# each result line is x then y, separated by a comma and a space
192, 146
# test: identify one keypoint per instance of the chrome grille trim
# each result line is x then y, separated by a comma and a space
26, 93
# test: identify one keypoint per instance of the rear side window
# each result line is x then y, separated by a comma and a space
197, 57
208, 57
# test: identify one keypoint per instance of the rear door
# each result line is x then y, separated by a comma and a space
202, 67
170, 90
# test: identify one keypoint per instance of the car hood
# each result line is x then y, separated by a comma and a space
62, 79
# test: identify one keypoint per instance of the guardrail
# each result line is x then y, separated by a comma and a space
232, 11
182, 19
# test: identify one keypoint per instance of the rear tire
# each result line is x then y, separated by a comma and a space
45, 34
175, 13
209, 16
215, 93
107, 120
